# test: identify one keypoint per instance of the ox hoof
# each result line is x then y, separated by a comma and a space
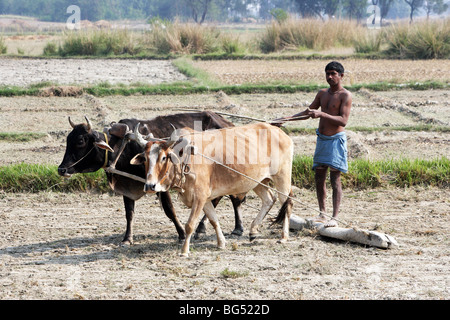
199, 235
184, 255
126, 243
237, 232
252, 237
282, 241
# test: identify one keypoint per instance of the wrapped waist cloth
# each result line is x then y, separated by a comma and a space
331, 151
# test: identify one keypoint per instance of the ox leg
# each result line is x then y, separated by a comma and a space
210, 212
201, 228
238, 226
196, 209
283, 185
166, 203
268, 200
284, 216
129, 213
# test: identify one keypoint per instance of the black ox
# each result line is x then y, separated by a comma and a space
86, 151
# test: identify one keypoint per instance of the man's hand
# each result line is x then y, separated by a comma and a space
279, 122
313, 113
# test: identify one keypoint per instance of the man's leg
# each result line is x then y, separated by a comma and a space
335, 178
321, 190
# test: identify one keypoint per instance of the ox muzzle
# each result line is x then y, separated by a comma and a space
64, 172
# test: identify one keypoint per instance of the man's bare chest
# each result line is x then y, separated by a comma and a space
330, 104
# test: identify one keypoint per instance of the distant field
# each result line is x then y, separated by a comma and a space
312, 71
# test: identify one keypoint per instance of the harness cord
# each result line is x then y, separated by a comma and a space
82, 158
106, 153
269, 187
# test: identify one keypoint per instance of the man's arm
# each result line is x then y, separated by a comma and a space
344, 112
307, 112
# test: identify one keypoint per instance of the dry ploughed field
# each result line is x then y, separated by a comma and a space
358, 71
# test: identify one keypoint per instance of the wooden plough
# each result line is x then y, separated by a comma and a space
366, 237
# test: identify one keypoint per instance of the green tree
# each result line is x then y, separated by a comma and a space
330, 7
384, 5
199, 9
435, 6
309, 8
355, 9
414, 5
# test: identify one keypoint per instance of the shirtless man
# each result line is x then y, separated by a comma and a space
331, 149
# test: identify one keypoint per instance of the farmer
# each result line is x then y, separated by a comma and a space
331, 148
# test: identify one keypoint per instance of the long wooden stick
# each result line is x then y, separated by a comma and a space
247, 117
125, 174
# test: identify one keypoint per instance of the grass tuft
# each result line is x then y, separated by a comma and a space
21, 136
363, 174
366, 174
37, 177
422, 40
96, 43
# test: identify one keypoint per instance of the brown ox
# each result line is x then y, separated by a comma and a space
259, 151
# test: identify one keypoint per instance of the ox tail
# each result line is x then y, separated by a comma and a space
285, 209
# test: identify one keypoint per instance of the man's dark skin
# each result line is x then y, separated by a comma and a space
335, 104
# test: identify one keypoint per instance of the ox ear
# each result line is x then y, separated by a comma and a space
119, 130
138, 159
173, 157
103, 145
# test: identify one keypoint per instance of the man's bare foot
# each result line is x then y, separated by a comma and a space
331, 223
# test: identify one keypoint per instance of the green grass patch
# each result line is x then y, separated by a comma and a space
229, 274
363, 174
185, 66
21, 136
366, 174
36, 177
14, 91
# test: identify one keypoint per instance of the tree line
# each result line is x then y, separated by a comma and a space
218, 10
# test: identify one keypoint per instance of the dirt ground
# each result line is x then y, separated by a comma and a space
86, 71
67, 246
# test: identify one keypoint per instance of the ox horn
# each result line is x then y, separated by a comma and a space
142, 140
138, 136
71, 123
173, 137
89, 127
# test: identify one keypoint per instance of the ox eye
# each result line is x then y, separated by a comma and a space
80, 142
163, 158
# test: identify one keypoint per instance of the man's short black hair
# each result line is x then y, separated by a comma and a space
336, 66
